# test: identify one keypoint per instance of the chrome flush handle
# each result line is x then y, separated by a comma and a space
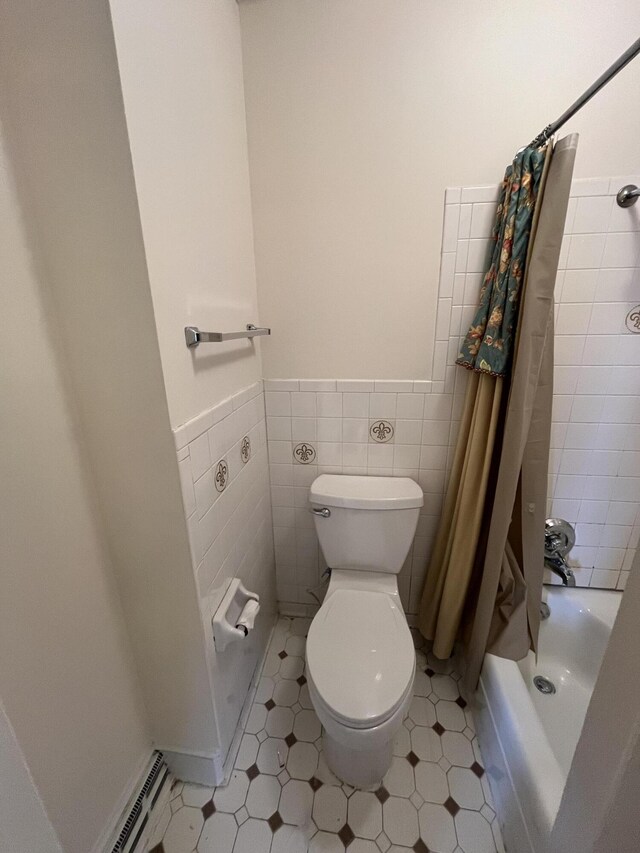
325, 512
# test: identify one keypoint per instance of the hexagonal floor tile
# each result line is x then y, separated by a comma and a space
296, 802
451, 716
247, 752
466, 788
457, 749
330, 808
445, 687
422, 711
272, 756
474, 833
401, 742
279, 722
219, 834
286, 692
230, 797
326, 842
256, 720
431, 782
400, 821
362, 846
399, 780
437, 829
183, 831
302, 762
196, 795
295, 646
265, 689
426, 743
263, 796
307, 726
253, 836
289, 839
365, 814
292, 667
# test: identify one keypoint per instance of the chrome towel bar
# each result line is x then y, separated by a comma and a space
193, 336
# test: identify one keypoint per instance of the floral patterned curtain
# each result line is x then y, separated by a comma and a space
488, 346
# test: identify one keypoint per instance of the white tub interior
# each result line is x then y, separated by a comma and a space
530, 737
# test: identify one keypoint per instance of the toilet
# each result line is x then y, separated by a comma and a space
360, 654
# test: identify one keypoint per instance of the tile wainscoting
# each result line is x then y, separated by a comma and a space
399, 428
594, 478
224, 472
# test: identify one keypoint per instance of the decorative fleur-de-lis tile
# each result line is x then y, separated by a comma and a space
633, 320
304, 453
221, 475
381, 431
245, 449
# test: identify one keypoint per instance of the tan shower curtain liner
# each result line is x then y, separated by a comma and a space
485, 577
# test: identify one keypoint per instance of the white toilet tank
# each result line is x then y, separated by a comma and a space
368, 523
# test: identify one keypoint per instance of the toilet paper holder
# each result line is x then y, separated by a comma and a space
235, 616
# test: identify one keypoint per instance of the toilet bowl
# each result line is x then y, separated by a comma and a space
360, 654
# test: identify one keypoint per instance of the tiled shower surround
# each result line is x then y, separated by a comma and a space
317, 426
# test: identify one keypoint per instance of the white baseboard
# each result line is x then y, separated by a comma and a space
198, 767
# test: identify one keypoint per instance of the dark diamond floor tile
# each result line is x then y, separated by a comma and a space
420, 847
208, 809
269, 704
478, 769
382, 794
315, 783
429, 672
252, 772
412, 758
461, 702
438, 728
452, 807
346, 835
275, 821
157, 849
301, 680
282, 655
290, 740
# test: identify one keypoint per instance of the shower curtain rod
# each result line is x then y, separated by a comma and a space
609, 74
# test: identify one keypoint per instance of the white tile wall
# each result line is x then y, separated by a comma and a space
335, 419
594, 464
594, 478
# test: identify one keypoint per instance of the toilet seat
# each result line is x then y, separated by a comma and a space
360, 657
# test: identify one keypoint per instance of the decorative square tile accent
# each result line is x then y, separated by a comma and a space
346, 835
304, 453
275, 821
221, 475
245, 449
381, 431
208, 809
412, 758
382, 794
252, 772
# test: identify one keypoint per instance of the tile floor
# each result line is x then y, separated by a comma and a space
282, 798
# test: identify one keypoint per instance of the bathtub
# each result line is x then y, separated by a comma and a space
528, 738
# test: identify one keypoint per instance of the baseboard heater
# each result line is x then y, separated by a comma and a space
138, 817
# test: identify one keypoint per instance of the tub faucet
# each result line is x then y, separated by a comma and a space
559, 539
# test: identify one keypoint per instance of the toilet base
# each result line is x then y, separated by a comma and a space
360, 768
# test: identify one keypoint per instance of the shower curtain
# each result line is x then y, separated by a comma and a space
484, 581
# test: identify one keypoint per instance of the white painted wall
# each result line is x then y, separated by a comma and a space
180, 68
65, 123
67, 675
360, 113
24, 824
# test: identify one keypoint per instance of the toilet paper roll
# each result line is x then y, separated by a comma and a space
248, 616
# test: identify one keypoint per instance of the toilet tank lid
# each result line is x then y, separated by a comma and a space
371, 493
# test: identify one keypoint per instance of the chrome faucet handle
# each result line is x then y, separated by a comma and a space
559, 537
